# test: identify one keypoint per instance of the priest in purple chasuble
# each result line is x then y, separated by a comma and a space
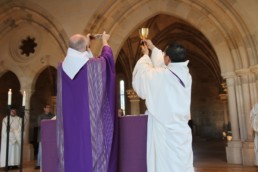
86, 115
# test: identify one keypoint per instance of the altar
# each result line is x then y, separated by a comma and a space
132, 136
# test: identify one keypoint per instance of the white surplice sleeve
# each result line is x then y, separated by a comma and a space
157, 57
143, 72
140, 71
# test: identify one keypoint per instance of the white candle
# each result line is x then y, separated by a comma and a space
24, 98
9, 97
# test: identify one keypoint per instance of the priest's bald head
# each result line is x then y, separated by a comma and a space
79, 42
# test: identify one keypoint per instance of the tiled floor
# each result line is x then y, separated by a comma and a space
209, 156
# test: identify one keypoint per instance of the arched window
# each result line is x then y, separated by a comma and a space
122, 95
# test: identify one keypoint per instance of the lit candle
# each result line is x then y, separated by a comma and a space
9, 97
24, 98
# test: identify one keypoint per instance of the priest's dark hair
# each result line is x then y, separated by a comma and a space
176, 52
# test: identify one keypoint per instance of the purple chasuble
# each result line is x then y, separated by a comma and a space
86, 117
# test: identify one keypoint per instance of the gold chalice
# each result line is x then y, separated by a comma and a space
143, 33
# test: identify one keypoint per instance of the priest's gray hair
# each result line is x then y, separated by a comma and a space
77, 42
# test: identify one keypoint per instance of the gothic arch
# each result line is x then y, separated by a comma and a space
230, 33
39, 72
9, 80
26, 18
16, 12
12, 70
218, 21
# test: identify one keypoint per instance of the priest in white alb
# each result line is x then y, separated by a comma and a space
14, 140
254, 125
164, 81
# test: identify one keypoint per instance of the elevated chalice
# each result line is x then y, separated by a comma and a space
143, 33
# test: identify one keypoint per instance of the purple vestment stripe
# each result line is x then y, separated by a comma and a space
88, 117
59, 122
181, 82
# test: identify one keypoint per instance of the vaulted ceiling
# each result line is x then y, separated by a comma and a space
163, 30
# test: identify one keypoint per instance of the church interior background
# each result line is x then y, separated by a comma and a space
221, 38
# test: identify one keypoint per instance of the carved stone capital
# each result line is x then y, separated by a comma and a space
228, 75
223, 97
132, 94
243, 72
254, 69
244, 75
224, 87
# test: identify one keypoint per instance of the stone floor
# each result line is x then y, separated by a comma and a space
209, 156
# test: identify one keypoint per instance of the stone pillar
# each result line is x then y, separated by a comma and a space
233, 149
253, 89
28, 150
134, 101
240, 109
248, 144
254, 84
244, 75
224, 98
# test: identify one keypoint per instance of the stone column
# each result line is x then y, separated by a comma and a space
240, 109
244, 76
253, 89
224, 98
134, 101
28, 150
248, 144
233, 149
254, 84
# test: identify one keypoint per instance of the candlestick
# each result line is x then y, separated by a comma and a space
9, 102
24, 98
